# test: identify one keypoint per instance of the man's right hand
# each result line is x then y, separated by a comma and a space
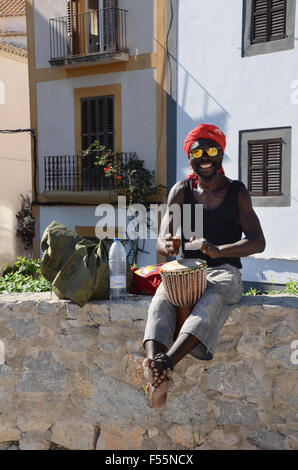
172, 245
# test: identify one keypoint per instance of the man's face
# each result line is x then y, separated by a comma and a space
205, 166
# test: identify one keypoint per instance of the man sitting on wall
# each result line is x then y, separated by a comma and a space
227, 212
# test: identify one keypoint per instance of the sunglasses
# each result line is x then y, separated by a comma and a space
211, 151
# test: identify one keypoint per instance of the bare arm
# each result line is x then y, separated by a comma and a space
166, 244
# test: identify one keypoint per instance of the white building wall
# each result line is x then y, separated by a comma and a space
140, 24
55, 111
216, 85
85, 216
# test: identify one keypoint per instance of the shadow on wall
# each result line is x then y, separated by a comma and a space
8, 248
205, 108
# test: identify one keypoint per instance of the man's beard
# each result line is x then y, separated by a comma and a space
216, 168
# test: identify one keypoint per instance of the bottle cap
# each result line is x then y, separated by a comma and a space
116, 239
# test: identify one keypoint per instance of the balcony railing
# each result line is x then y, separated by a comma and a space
93, 33
74, 173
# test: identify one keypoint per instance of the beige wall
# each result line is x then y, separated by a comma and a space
15, 168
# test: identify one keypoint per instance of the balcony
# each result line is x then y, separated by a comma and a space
71, 178
95, 36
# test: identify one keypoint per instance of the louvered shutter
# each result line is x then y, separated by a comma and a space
268, 20
110, 24
278, 19
273, 168
73, 26
260, 21
264, 167
256, 152
97, 121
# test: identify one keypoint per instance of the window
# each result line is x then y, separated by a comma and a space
97, 121
268, 21
269, 26
265, 165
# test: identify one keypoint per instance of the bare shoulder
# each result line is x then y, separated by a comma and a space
176, 194
244, 198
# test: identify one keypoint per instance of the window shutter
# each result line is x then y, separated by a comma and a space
264, 168
273, 168
256, 168
97, 121
278, 19
69, 17
268, 20
259, 21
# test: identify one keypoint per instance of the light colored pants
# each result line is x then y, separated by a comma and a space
224, 287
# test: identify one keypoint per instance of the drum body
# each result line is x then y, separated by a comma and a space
184, 280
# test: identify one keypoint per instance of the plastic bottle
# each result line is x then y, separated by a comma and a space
117, 265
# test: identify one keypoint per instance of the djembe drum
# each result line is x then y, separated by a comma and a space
184, 280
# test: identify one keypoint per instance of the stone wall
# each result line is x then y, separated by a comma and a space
72, 379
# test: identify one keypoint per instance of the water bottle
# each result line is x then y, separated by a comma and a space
117, 265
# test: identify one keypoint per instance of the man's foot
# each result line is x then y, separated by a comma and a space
155, 373
158, 395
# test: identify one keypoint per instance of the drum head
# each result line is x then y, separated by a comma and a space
183, 264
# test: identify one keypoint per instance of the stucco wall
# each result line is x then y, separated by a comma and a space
72, 378
15, 150
55, 111
217, 85
140, 26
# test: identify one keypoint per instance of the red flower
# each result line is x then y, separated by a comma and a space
107, 168
118, 177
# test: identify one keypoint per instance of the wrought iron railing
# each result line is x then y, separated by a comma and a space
74, 173
92, 32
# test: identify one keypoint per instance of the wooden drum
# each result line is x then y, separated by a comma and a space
184, 280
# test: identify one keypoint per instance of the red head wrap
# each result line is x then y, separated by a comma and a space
204, 131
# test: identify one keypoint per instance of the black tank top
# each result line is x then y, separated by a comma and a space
220, 225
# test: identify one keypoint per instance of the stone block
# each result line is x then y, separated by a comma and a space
283, 330
35, 441
23, 328
8, 430
190, 406
78, 339
285, 386
49, 306
115, 401
114, 437
129, 311
251, 343
184, 435
100, 313
43, 374
74, 434
223, 440
280, 353
268, 440
237, 379
237, 412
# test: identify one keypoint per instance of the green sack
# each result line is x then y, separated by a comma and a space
78, 269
